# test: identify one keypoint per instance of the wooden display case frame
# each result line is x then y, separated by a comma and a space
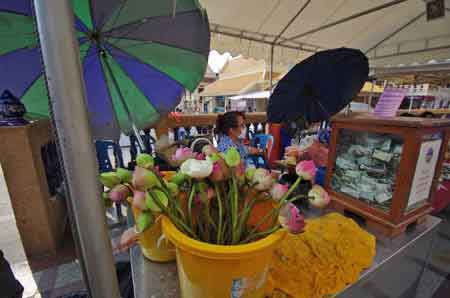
412, 131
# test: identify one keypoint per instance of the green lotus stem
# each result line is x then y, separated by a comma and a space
245, 214
190, 200
206, 228
161, 181
296, 198
234, 211
261, 234
203, 232
174, 219
219, 204
164, 189
263, 219
291, 189
168, 195
207, 221
231, 200
207, 212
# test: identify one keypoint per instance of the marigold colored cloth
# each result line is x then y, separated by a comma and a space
328, 256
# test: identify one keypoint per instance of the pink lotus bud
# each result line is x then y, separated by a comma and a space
239, 171
262, 179
197, 200
200, 156
144, 179
220, 171
183, 154
217, 174
278, 191
291, 219
210, 193
306, 169
318, 197
119, 193
139, 200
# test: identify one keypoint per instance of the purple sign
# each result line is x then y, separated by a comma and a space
389, 102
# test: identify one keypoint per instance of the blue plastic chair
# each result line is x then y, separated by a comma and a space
263, 141
105, 164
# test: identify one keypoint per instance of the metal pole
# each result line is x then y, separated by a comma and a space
371, 95
409, 23
67, 93
291, 21
445, 47
346, 19
271, 68
216, 29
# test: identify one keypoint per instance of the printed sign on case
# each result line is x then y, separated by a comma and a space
425, 169
389, 102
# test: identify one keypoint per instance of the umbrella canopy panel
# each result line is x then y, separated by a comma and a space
318, 87
138, 57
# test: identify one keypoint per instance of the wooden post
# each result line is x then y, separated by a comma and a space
162, 127
40, 218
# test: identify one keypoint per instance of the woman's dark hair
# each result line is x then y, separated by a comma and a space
228, 120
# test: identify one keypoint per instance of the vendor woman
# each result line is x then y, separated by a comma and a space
232, 131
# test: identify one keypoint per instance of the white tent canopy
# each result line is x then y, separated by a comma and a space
391, 32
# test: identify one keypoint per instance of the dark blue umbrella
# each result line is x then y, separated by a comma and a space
319, 86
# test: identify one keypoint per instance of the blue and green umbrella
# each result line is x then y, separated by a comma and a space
138, 57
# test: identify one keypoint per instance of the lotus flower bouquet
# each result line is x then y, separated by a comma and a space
213, 197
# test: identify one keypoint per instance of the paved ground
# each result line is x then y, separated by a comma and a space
66, 277
53, 276
11, 244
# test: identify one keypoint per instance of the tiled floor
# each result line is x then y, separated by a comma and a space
437, 273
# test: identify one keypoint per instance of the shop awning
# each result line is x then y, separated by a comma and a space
252, 95
240, 75
231, 86
432, 72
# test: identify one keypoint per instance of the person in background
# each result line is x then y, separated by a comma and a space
9, 286
232, 131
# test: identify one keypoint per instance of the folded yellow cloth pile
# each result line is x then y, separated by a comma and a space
328, 256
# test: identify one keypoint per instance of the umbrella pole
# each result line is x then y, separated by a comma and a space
122, 100
60, 52
371, 95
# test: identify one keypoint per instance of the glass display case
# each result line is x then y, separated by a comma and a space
385, 170
366, 166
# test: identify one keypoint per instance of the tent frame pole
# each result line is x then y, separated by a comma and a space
401, 28
261, 38
275, 40
292, 20
271, 68
61, 55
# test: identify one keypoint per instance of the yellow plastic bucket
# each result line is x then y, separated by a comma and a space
161, 252
219, 271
